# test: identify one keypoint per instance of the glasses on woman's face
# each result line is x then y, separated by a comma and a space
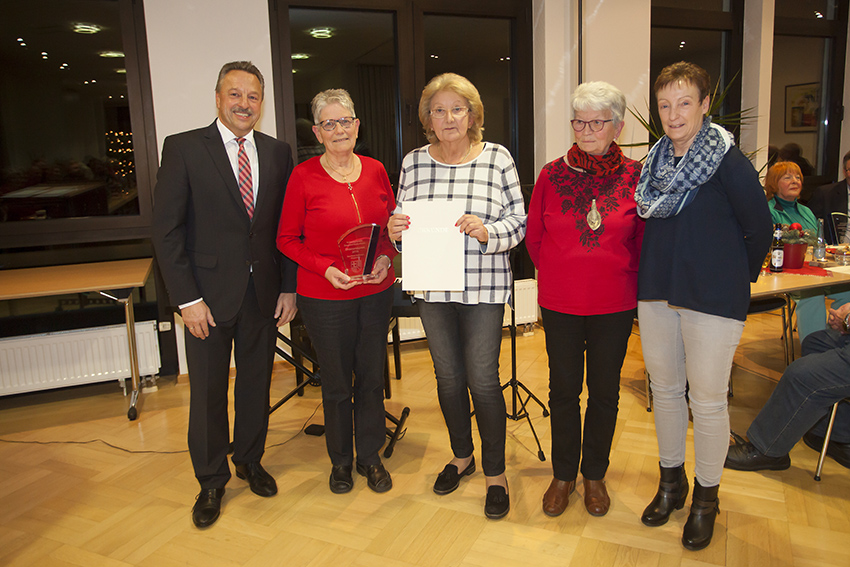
594, 125
329, 125
457, 112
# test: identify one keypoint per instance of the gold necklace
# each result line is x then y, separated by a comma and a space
344, 175
469, 149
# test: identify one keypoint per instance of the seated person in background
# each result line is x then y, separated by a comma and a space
832, 198
782, 185
803, 399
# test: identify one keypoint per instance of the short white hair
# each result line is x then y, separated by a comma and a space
599, 95
332, 96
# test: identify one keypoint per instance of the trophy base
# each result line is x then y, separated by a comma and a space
363, 278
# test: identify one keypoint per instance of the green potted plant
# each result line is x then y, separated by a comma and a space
796, 239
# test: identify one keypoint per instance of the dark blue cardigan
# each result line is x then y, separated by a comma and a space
705, 257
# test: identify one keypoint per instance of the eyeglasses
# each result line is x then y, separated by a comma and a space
595, 125
329, 125
457, 112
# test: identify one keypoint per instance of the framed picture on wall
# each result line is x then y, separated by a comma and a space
802, 107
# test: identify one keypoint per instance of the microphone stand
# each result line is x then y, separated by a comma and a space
519, 406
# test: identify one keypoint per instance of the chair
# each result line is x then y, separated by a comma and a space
403, 306
838, 227
826, 437
763, 305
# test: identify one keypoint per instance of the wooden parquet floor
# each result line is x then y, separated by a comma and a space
65, 502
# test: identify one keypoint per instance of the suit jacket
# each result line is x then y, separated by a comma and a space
205, 244
826, 200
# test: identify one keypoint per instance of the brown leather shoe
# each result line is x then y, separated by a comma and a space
596, 498
557, 496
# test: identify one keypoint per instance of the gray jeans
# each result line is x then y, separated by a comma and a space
684, 347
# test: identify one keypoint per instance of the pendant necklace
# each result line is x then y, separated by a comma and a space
594, 219
343, 175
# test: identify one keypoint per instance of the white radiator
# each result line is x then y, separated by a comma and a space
68, 358
526, 312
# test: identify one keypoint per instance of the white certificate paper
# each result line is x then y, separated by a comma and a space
433, 247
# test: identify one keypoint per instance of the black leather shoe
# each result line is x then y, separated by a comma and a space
377, 477
448, 480
340, 480
498, 502
262, 483
745, 457
671, 495
838, 451
207, 507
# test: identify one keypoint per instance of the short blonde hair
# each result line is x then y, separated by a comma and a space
458, 85
332, 96
775, 173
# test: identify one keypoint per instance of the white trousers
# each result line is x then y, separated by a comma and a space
683, 348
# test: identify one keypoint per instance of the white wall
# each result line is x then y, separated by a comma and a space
616, 50
188, 42
757, 71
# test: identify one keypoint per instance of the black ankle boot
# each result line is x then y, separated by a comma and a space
700, 525
671, 495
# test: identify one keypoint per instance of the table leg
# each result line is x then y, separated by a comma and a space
132, 413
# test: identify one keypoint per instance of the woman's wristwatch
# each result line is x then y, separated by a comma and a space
389, 262
846, 323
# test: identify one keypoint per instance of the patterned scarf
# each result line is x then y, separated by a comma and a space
596, 165
666, 188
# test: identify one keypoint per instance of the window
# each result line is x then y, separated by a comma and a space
74, 163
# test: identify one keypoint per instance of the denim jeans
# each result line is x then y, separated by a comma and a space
464, 341
685, 347
805, 396
603, 339
350, 338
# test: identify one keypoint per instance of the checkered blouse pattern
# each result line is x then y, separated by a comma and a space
489, 185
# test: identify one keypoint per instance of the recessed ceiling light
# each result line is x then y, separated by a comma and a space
818, 14
81, 27
434, 56
322, 33
300, 55
111, 53
121, 71
44, 55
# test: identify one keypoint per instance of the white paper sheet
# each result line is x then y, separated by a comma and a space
433, 247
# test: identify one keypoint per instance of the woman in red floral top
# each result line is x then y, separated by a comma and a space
584, 236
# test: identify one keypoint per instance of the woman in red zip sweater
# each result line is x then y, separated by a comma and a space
347, 318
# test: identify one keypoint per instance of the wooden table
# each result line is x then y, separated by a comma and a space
770, 284
119, 277
783, 284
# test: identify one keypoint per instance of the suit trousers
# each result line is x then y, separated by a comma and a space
604, 340
350, 338
805, 395
252, 336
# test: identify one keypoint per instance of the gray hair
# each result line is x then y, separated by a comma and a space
599, 95
332, 96
246, 66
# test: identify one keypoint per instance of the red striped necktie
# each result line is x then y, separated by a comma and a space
245, 182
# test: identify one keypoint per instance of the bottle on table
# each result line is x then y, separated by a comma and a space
819, 250
777, 249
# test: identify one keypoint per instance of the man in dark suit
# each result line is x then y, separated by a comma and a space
218, 201
830, 199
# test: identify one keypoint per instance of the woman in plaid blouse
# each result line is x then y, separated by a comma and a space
464, 328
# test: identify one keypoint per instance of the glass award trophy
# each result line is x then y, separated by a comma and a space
358, 247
